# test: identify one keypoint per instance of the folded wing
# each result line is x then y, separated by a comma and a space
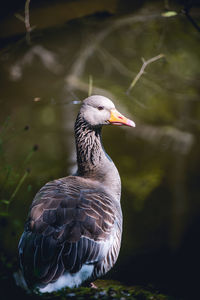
69, 224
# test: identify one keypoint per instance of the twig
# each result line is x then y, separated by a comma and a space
27, 19
18, 185
21, 18
90, 85
21, 181
105, 56
27, 22
145, 64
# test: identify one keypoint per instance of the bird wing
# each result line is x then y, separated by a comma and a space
69, 224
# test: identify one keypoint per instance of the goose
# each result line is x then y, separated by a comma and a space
73, 231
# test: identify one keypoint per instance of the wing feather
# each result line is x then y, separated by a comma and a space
68, 226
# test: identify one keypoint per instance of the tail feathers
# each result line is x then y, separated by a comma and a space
20, 281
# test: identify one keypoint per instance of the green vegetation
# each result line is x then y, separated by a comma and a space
108, 291
11, 177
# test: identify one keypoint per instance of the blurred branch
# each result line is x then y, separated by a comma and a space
47, 58
90, 47
141, 72
167, 136
186, 12
166, 3
119, 66
75, 83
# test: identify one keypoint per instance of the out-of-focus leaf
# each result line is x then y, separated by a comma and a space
5, 201
3, 214
169, 14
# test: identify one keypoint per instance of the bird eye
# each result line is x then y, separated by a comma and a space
100, 107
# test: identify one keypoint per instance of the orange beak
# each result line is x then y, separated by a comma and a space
118, 119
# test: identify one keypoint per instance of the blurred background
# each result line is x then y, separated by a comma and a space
52, 55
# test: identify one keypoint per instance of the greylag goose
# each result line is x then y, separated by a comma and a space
73, 231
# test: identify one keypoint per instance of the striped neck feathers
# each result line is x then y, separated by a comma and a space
90, 152
93, 161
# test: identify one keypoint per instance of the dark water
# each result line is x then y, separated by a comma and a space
158, 161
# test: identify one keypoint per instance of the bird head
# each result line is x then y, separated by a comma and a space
98, 110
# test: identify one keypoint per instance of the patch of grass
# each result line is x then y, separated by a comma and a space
113, 291
11, 177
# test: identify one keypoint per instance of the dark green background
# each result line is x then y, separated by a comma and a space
158, 160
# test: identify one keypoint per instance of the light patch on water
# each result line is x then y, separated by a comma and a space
48, 115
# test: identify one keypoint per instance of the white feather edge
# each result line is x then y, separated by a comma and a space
69, 280
74, 280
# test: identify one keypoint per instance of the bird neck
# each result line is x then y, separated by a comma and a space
93, 162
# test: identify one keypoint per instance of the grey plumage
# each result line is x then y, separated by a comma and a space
76, 220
